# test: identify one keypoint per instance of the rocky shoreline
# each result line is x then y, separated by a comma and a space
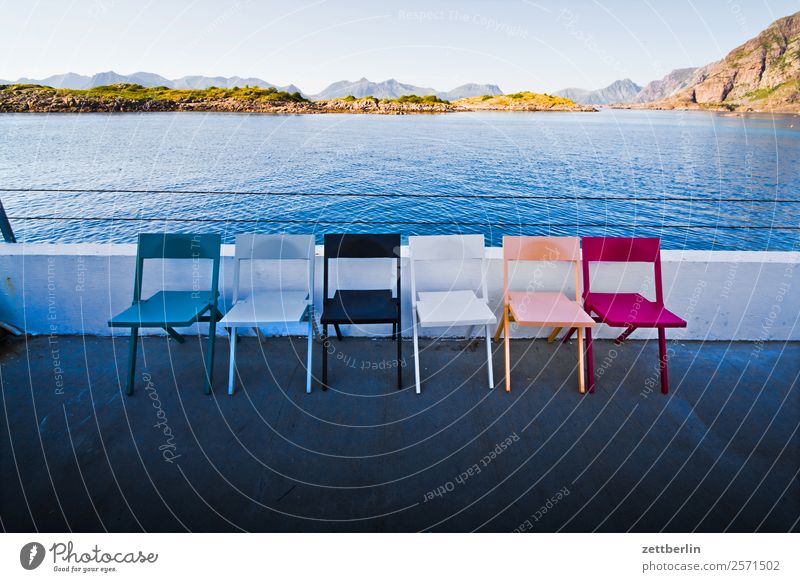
39, 99
526, 107
778, 109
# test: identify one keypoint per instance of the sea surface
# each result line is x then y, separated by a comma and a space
698, 180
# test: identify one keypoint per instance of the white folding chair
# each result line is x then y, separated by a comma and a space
456, 305
262, 307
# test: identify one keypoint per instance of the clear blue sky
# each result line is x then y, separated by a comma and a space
518, 44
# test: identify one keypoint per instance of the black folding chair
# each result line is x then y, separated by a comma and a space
361, 306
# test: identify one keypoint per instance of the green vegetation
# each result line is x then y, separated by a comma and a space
784, 60
425, 99
523, 98
763, 93
529, 95
714, 106
139, 93
351, 99
770, 40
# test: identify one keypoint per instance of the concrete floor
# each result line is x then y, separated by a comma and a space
720, 453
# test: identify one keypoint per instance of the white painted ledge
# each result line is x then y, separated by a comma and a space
724, 295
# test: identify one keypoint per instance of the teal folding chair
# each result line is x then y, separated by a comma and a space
170, 309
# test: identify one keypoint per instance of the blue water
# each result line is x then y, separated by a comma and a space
501, 168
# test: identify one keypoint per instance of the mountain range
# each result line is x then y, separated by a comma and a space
671, 83
626, 91
763, 73
392, 89
389, 89
76, 81
617, 92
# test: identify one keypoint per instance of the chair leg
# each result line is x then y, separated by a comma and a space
581, 369
507, 342
232, 366
489, 355
624, 335
590, 359
175, 335
553, 334
259, 335
499, 331
212, 336
132, 345
325, 341
310, 344
662, 355
416, 353
398, 339
568, 335
338, 332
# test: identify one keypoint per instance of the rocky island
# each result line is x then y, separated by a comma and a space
524, 101
22, 98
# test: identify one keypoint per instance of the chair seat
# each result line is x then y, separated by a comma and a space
165, 308
631, 309
360, 306
442, 308
267, 307
547, 309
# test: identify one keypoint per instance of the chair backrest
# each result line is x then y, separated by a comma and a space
446, 247
274, 247
541, 248
361, 246
463, 248
622, 250
177, 246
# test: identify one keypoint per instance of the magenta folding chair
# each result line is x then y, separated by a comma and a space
628, 310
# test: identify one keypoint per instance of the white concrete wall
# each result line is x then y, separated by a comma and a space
75, 289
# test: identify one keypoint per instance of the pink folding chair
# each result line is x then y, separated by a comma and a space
628, 310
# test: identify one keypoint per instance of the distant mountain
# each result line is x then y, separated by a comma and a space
139, 78
622, 91
469, 90
75, 81
763, 74
390, 89
201, 82
66, 81
663, 88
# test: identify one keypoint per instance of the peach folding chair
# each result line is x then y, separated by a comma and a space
542, 308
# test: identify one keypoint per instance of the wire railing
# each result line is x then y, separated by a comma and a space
777, 221
504, 196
